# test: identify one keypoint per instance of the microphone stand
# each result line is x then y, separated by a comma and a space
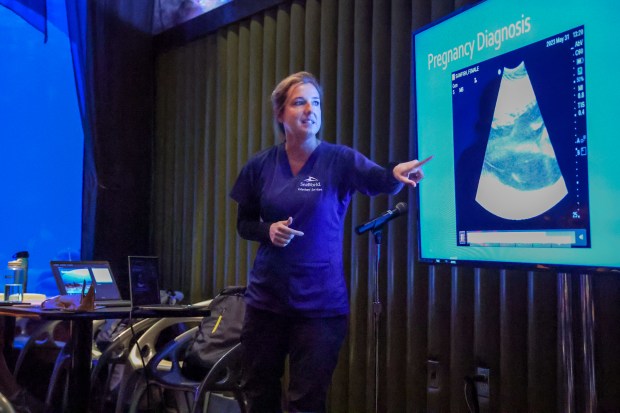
376, 310
376, 226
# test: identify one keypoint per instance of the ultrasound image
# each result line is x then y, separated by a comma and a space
520, 177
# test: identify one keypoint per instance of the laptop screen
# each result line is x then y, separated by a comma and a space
144, 280
71, 276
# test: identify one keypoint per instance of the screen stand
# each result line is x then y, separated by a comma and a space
376, 311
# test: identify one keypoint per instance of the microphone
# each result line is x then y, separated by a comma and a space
400, 209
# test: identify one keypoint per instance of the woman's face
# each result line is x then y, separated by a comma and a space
301, 116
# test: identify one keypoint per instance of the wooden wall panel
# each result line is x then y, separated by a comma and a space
487, 332
542, 341
461, 335
513, 341
439, 339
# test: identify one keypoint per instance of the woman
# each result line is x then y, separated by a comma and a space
293, 199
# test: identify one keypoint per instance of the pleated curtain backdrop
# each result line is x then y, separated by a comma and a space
213, 113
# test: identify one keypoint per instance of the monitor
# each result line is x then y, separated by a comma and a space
144, 280
516, 101
75, 277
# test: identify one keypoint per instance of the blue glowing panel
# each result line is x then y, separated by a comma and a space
41, 144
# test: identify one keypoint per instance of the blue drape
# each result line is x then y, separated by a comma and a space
33, 11
111, 44
78, 28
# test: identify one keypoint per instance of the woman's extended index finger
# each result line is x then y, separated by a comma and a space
420, 163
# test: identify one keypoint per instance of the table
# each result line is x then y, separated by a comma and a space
82, 338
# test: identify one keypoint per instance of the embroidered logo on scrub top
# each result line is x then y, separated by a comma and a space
310, 184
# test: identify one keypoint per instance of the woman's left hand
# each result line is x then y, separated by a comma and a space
410, 173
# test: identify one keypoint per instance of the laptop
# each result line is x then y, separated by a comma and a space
144, 284
71, 276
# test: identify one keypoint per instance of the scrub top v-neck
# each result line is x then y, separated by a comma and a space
307, 276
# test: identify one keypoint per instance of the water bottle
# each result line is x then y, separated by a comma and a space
20, 269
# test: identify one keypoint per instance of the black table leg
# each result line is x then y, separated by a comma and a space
79, 376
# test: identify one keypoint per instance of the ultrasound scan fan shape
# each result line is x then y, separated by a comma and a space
520, 176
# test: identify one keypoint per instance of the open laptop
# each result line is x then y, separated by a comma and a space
70, 277
144, 284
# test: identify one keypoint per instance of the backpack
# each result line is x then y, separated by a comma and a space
218, 333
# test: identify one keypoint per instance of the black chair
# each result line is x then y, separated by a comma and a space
5, 405
141, 353
53, 360
224, 377
38, 360
41, 340
109, 366
163, 372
